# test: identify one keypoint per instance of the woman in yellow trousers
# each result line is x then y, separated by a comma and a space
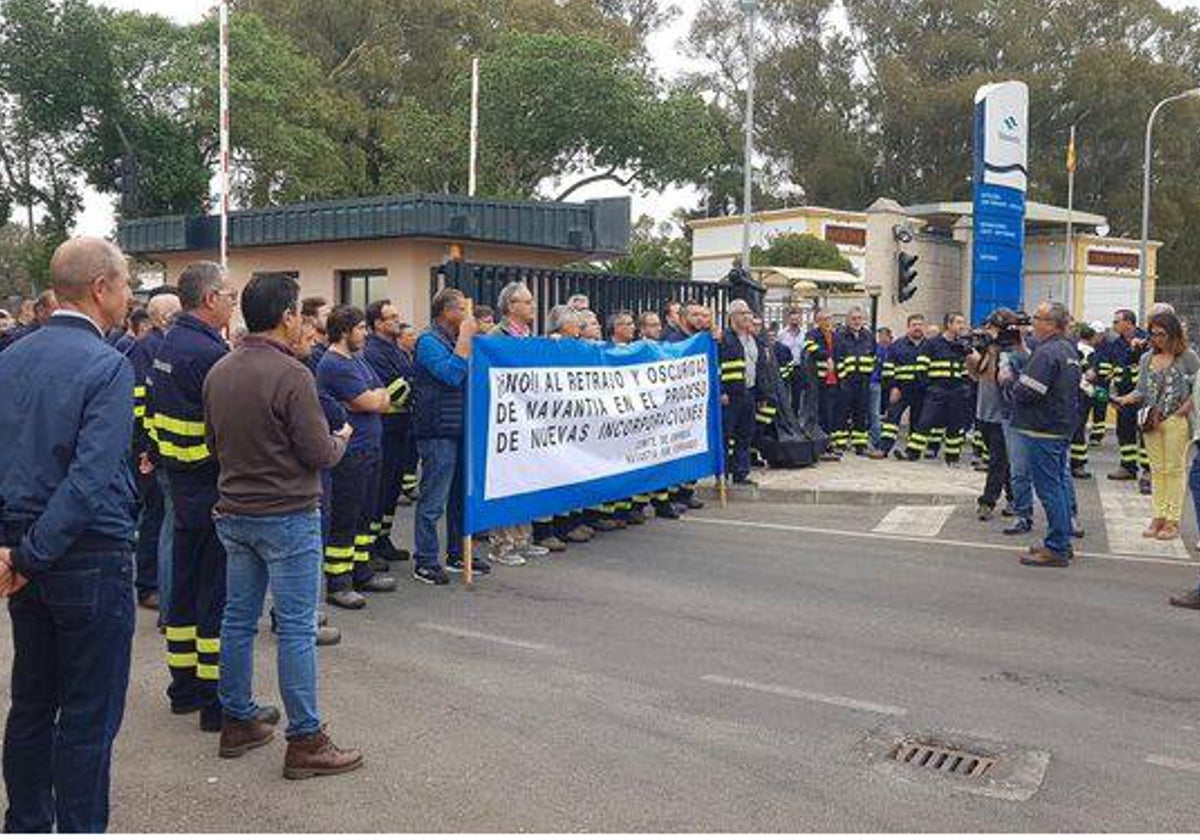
1164, 392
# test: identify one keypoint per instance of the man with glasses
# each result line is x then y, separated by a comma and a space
1045, 411
174, 398
383, 354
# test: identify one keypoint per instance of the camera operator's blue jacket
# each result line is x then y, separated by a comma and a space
1046, 394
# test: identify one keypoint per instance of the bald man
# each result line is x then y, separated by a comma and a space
66, 565
154, 544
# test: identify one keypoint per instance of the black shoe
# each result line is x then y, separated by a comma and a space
693, 503
1008, 512
188, 708
479, 566
212, 718
1145, 487
431, 574
1081, 473
1021, 526
385, 550
1122, 474
378, 564
666, 511
377, 583
635, 517
985, 511
347, 599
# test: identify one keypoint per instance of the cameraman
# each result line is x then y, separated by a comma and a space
1001, 336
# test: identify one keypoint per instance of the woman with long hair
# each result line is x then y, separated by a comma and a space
1164, 392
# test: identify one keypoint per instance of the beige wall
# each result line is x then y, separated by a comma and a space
406, 261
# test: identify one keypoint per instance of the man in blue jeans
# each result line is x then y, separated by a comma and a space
66, 531
265, 426
442, 353
1045, 411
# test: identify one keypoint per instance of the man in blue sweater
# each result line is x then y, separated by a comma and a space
442, 353
66, 527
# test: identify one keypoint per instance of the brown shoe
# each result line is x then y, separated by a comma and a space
149, 601
1188, 600
877, 455
1168, 531
1044, 558
240, 736
317, 755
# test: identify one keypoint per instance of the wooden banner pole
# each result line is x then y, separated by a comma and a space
468, 560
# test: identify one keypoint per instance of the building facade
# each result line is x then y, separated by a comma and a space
359, 250
1104, 275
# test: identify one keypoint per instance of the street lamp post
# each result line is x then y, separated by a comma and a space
750, 7
1194, 93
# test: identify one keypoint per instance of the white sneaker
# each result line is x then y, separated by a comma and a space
533, 550
509, 558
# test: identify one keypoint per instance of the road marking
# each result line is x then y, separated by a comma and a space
869, 535
1174, 763
487, 637
1126, 513
797, 694
915, 520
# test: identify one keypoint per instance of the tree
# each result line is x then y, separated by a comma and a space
655, 250
800, 250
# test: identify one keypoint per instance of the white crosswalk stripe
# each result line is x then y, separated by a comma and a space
915, 520
1126, 514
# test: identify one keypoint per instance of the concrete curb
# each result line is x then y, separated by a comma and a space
817, 496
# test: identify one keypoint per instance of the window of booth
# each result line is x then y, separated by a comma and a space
360, 286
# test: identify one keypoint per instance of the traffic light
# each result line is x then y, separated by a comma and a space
127, 182
906, 285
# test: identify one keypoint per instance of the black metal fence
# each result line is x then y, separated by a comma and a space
607, 293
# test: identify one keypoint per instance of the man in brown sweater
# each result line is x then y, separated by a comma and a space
266, 429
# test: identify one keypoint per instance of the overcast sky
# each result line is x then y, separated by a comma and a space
97, 216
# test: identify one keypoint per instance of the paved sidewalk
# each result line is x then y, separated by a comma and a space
857, 480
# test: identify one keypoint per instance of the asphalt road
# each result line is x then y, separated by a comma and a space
719, 674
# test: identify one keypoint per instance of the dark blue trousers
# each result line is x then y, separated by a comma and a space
738, 419
72, 637
149, 529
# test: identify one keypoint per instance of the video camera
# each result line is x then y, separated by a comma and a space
1009, 325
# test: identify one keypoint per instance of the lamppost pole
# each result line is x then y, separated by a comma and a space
1143, 299
750, 7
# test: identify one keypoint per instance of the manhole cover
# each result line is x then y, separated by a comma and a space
957, 760
943, 759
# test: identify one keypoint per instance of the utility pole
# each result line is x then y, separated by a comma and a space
1143, 302
224, 126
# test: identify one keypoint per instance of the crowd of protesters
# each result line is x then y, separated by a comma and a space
161, 455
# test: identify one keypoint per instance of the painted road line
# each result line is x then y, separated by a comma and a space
798, 694
1174, 763
870, 535
1126, 513
487, 637
915, 520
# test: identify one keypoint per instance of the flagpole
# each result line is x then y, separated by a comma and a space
472, 178
1071, 224
223, 51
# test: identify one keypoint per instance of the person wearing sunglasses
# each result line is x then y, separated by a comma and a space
1164, 396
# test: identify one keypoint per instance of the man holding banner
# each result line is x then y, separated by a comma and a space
557, 426
743, 357
442, 354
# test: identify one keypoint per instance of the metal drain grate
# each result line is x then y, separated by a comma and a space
943, 759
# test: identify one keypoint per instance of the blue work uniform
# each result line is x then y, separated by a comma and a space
174, 398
